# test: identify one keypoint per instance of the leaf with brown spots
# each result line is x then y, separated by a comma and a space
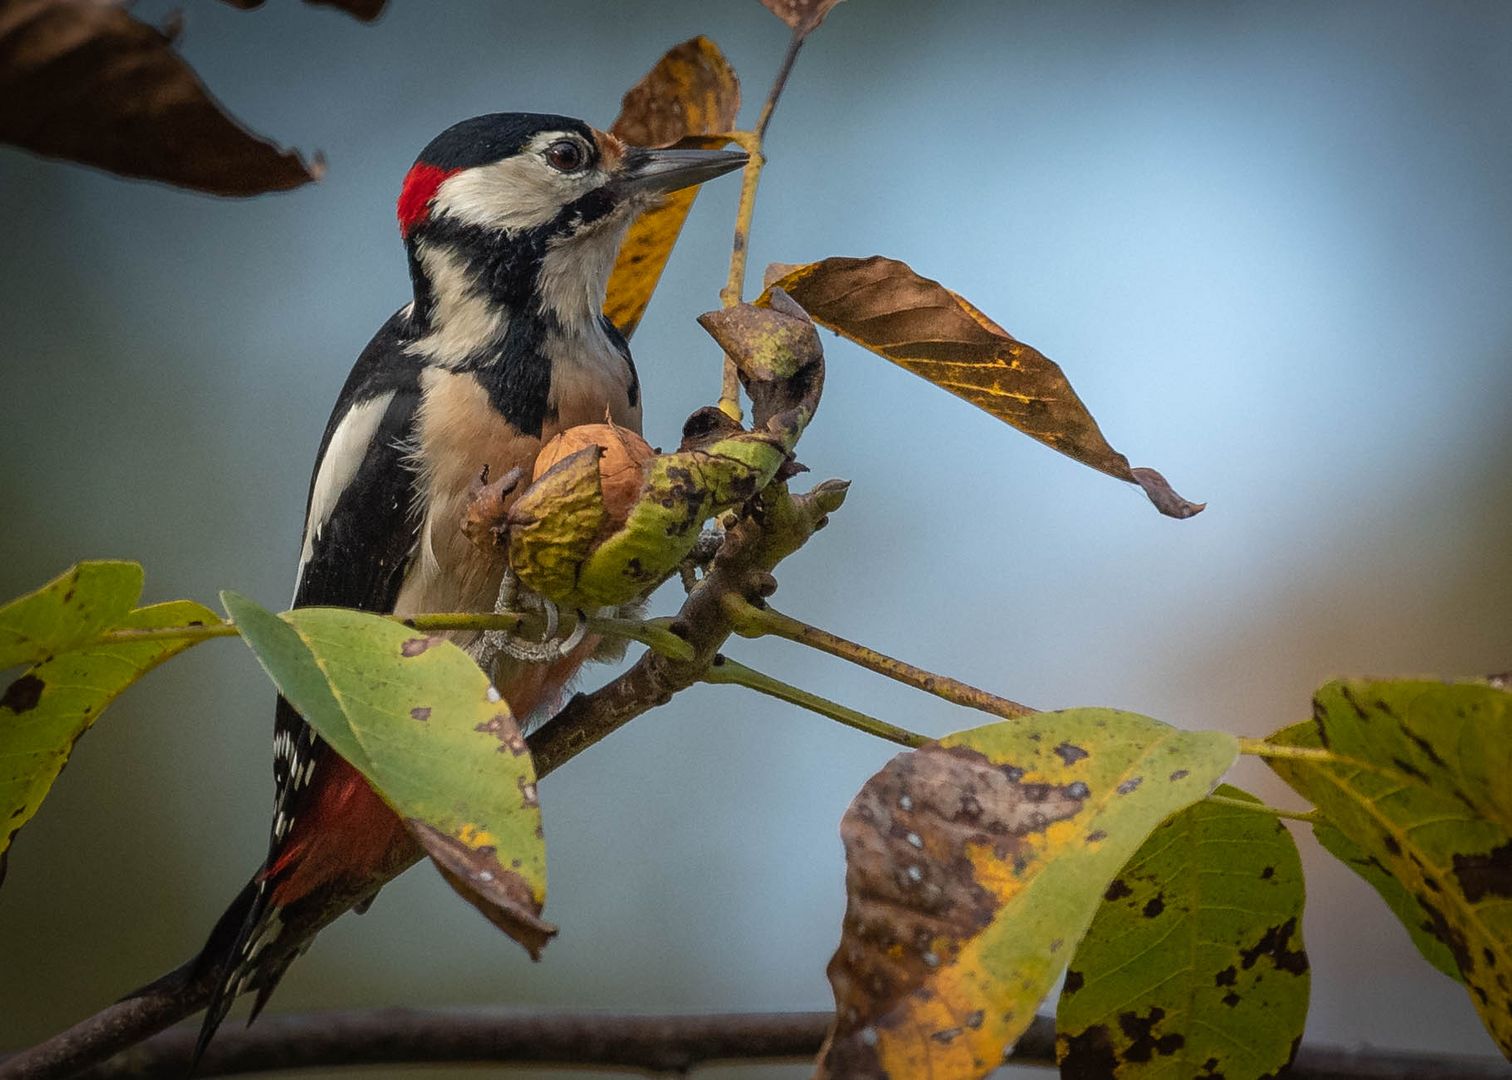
692, 92
1420, 782
69, 611
925, 328
43, 713
802, 15
84, 81
1193, 964
972, 871
418, 718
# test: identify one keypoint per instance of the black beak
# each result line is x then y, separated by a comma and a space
656, 172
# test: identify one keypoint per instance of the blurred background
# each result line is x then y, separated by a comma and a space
1271, 245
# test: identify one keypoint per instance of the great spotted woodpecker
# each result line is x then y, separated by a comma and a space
512, 222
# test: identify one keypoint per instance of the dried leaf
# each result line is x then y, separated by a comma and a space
925, 328
692, 91
1194, 964
366, 10
974, 866
84, 81
1421, 782
416, 716
802, 15
45, 711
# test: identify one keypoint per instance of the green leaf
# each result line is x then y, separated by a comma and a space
1194, 964
1420, 779
68, 611
417, 717
1414, 916
974, 866
43, 713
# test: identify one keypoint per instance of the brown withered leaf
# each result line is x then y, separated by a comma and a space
778, 354
366, 10
802, 15
690, 94
84, 81
925, 328
504, 897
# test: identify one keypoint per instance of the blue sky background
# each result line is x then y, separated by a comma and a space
1271, 245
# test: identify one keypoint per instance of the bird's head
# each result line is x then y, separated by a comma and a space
530, 208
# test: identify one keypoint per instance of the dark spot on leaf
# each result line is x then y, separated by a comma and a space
23, 694
1155, 906
1096, 835
1490, 957
1144, 1044
1070, 754
1391, 845
1354, 703
1227, 977
974, 1020
1077, 790
1117, 890
1410, 769
196, 622
1179, 774
1075, 980
1130, 784
1268, 873
1088, 1055
1481, 875
1231, 999
421, 713
1273, 945
1425, 746
947, 1036
502, 727
416, 645
1013, 773
1453, 940
1210, 1069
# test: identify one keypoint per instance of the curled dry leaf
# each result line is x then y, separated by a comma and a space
366, 10
973, 867
691, 92
84, 81
802, 15
487, 517
1421, 785
925, 328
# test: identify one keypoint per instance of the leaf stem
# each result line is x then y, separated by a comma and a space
725, 671
1262, 749
1311, 817
652, 634
752, 621
752, 143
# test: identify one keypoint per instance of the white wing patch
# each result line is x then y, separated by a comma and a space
343, 457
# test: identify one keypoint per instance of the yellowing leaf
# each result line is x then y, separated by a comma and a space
43, 713
1421, 782
68, 611
692, 91
417, 717
1194, 964
974, 866
85, 81
925, 328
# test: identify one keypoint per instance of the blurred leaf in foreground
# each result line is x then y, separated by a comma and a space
925, 328
417, 717
43, 713
692, 91
804, 16
973, 867
1421, 782
84, 81
1194, 964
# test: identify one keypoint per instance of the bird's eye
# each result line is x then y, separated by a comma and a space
566, 155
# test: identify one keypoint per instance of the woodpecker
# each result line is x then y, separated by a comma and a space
511, 222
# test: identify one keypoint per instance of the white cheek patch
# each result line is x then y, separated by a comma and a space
464, 319
520, 192
338, 468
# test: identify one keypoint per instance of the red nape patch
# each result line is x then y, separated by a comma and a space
419, 188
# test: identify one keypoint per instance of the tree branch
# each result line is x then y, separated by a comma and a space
645, 1044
